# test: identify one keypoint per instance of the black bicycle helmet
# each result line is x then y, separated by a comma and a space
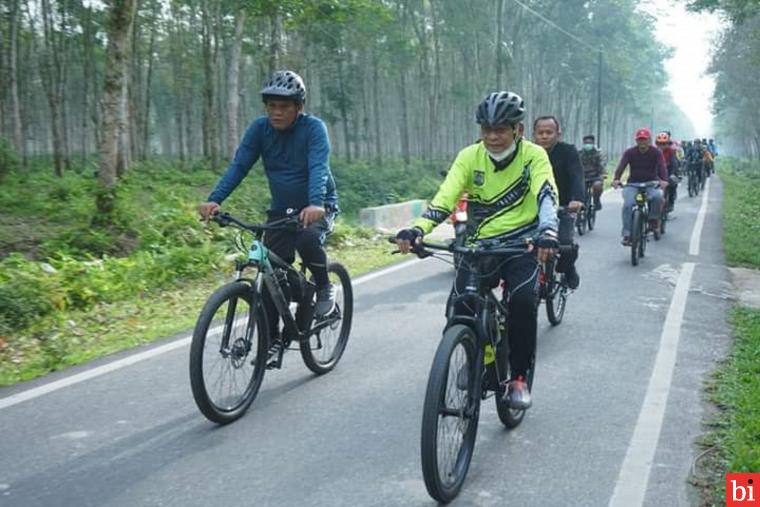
285, 84
501, 108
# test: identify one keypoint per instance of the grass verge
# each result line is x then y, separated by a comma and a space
79, 336
732, 443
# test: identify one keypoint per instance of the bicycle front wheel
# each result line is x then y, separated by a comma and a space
580, 222
636, 236
450, 414
591, 217
228, 353
327, 343
556, 297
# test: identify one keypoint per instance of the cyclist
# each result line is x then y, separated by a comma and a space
646, 164
696, 160
295, 151
568, 174
512, 195
593, 162
665, 145
712, 147
708, 160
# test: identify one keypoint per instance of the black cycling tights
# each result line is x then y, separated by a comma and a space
521, 276
309, 244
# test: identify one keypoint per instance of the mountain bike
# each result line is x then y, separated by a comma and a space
458, 380
233, 343
586, 218
640, 222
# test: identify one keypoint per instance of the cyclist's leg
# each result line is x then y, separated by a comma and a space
655, 199
629, 201
565, 238
521, 275
672, 190
598, 188
310, 245
281, 243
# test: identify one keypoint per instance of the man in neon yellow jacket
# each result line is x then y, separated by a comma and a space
512, 195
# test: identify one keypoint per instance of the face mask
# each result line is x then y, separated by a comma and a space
504, 154
588, 147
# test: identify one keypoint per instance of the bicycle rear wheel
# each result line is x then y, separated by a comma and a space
636, 238
326, 345
228, 353
450, 414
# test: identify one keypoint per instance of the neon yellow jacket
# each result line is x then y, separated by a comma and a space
502, 204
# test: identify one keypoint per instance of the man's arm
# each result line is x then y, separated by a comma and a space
577, 179
544, 188
246, 155
319, 155
621, 166
662, 170
602, 163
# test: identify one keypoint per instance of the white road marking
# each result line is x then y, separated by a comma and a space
696, 233
55, 385
631, 486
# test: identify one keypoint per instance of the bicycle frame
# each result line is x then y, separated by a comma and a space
266, 263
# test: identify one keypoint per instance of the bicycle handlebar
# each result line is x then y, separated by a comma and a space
512, 247
224, 219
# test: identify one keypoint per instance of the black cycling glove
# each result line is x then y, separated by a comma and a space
410, 235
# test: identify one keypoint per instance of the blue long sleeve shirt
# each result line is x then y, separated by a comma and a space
296, 162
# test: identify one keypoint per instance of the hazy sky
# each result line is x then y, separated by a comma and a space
692, 36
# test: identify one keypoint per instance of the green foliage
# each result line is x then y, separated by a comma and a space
155, 241
363, 184
741, 207
734, 442
9, 159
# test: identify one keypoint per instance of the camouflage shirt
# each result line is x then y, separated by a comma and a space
593, 163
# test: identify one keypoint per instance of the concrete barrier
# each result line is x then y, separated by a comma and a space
392, 216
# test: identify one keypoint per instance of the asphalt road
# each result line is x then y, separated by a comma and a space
611, 424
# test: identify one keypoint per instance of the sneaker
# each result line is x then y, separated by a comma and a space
626, 241
325, 300
518, 394
572, 278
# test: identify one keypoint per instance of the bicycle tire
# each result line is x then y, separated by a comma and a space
591, 217
580, 222
635, 236
445, 486
643, 234
316, 342
202, 352
556, 297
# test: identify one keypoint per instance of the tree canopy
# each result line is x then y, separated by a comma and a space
392, 78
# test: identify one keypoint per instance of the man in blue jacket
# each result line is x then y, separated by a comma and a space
295, 151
